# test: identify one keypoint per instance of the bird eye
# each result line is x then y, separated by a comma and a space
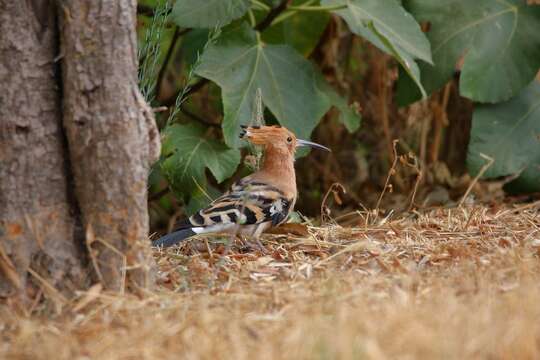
289, 139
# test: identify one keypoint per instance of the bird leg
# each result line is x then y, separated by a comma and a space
256, 244
256, 235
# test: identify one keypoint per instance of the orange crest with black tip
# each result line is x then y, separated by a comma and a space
269, 136
275, 137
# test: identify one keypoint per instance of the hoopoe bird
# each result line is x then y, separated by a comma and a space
256, 202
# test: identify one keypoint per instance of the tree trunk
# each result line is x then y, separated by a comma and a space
37, 223
73, 201
111, 133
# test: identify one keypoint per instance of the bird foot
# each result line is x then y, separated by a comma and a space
256, 245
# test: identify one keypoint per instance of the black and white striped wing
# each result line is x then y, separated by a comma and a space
248, 203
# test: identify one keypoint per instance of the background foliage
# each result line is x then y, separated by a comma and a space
318, 63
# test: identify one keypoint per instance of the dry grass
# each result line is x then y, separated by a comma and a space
456, 283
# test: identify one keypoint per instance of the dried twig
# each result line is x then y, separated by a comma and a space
8, 269
334, 188
419, 176
484, 168
391, 172
51, 290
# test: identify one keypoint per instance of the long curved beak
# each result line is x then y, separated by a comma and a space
312, 144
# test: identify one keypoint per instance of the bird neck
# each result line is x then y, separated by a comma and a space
278, 165
278, 161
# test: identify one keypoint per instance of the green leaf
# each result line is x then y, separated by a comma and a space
406, 90
155, 177
208, 13
508, 132
188, 153
405, 60
302, 31
240, 63
500, 42
528, 181
193, 44
349, 116
200, 199
387, 25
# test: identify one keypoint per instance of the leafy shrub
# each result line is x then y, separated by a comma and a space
495, 46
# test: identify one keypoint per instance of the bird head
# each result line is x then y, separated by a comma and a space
276, 137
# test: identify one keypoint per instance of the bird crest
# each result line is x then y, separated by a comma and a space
275, 137
267, 135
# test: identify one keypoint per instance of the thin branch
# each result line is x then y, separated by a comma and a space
441, 121
261, 5
419, 176
318, 8
483, 169
285, 15
159, 194
274, 13
198, 118
49, 288
391, 172
168, 56
196, 87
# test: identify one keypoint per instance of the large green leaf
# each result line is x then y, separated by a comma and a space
302, 31
240, 63
208, 13
188, 153
193, 44
499, 39
508, 132
387, 25
528, 182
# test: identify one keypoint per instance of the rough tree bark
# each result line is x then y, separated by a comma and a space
111, 133
57, 231
37, 226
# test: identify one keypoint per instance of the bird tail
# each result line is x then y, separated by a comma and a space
174, 238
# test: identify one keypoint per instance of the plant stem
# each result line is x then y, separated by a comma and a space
317, 8
267, 21
251, 17
288, 14
159, 194
292, 10
261, 5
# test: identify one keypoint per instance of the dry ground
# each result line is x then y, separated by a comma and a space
455, 283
